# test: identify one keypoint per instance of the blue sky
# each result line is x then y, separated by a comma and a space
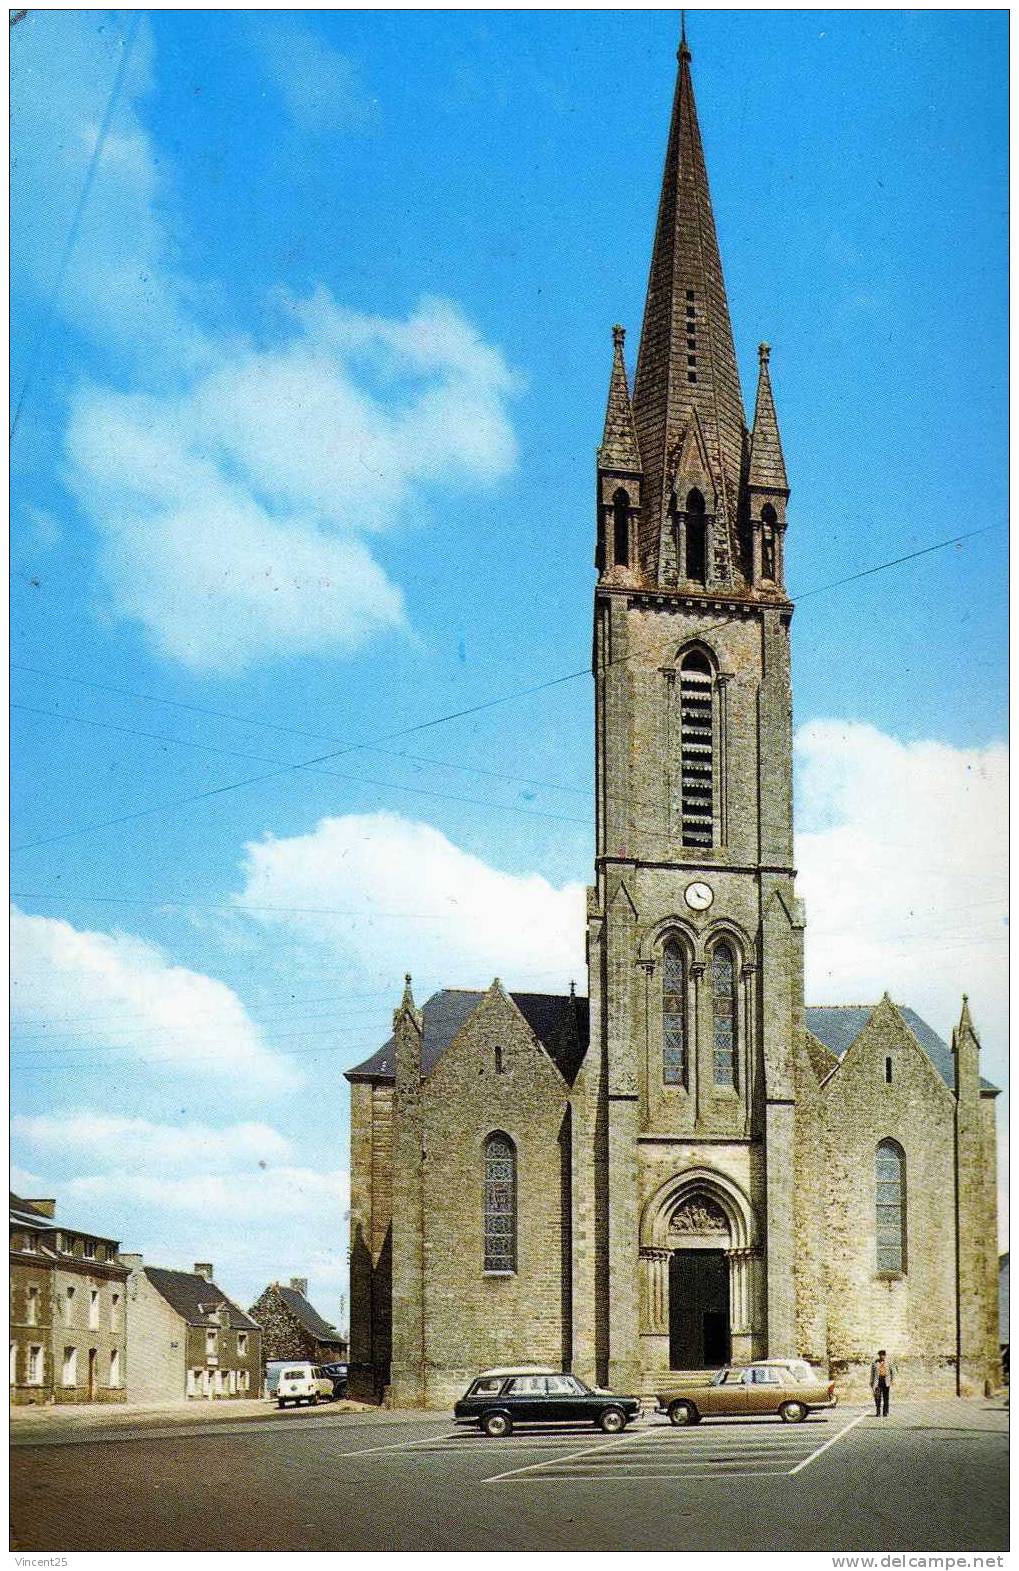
306, 437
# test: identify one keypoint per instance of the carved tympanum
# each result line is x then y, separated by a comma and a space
699, 1215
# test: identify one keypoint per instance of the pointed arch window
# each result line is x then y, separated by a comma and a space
723, 1014
621, 528
697, 731
674, 1063
768, 522
500, 1204
696, 538
890, 1219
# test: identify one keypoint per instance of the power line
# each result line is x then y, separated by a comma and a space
424, 725
35, 353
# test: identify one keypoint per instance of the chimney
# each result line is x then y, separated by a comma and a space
203, 1268
300, 1285
133, 1262
47, 1207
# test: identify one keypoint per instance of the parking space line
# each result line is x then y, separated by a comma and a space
815, 1454
598, 1450
397, 1445
601, 1477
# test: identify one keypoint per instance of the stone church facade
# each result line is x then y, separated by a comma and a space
690, 1165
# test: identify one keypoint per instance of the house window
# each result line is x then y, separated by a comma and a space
93, 1309
673, 1015
32, 1307
621, 529
242, 1344
69, 1310
890, 1185
500, 1204
115, 1312
194, 1376
89, 1249
30, 1243
723, 1008
35, 1365
14, 1363
244, 1380
210, 1342
115, 1367
70, 1370
697, 748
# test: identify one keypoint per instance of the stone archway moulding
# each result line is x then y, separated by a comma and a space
695, 1183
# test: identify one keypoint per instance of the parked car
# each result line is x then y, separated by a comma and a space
499, 1399
802, 1372
741, 1392
303, 1383
338, 1375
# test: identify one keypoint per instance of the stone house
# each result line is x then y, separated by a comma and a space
689, 1165
188, 1339
292, 1328
68, 1328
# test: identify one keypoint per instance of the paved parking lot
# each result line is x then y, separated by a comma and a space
932, 1477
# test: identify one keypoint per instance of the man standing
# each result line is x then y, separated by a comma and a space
882, 1373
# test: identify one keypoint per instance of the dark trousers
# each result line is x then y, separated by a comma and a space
881, 1399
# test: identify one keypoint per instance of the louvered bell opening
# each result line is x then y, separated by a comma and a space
695, 698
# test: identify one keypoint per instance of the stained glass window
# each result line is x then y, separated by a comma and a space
890, 1173
673, 1016
723, 1004
500, 1204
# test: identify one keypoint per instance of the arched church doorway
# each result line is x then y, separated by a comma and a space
700, 1332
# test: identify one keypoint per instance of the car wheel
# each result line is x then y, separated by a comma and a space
283, 1401
313, 1400
683, 1413
497, 1425
793, 1412
612, 1421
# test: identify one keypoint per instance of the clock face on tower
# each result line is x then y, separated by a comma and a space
698, 896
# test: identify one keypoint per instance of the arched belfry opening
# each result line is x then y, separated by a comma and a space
698, 1287
696, 538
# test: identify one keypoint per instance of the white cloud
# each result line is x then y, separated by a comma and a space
901, 865
422, 904
243, 1199
115, 991
87, 1136
319, 86
231, 515
231, 487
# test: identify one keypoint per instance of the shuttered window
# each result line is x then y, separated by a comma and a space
890, 1174
697, 749
500, 1204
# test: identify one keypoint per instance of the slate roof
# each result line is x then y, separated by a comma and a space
194, 1298
559, 1021
309, 1317
838, 1026
24, 1211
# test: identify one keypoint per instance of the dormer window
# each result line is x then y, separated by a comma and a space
696, 538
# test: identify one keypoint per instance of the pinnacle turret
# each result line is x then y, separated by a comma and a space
767, 465
619, 448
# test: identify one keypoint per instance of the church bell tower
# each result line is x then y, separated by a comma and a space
695, 934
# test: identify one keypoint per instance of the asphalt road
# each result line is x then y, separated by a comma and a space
926, 1479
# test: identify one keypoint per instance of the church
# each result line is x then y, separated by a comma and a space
690, 1165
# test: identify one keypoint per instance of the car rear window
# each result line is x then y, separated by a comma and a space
490, 1386
292, 1374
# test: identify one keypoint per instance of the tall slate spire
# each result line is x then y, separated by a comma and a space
686, 367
